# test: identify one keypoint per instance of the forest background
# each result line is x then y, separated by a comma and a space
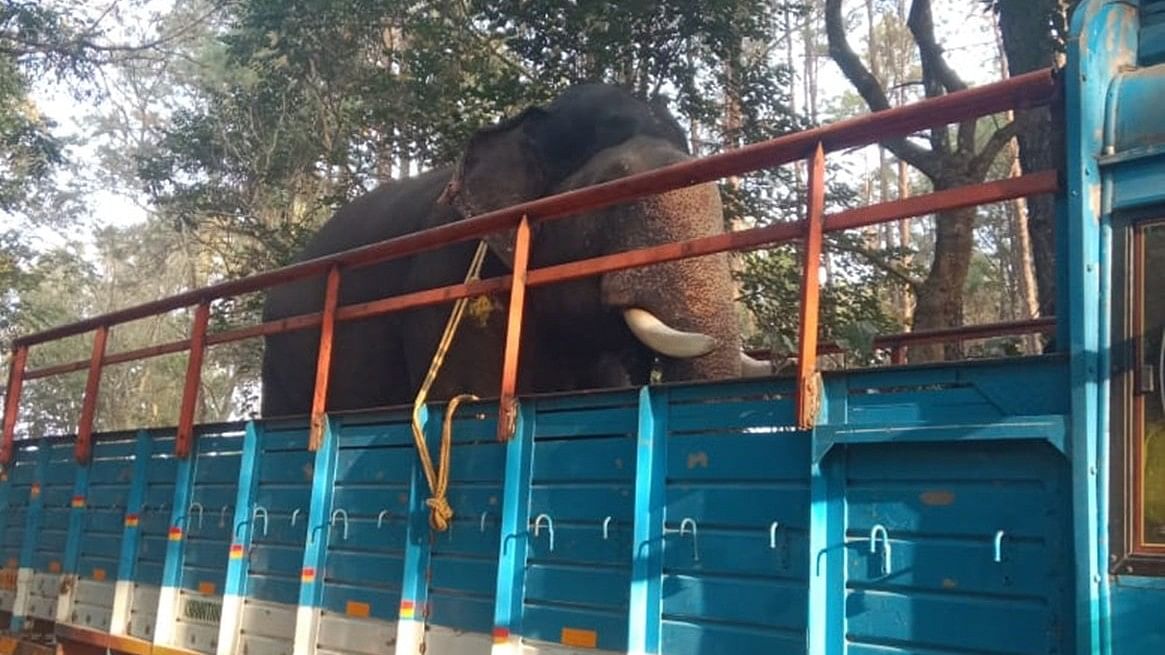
151, 146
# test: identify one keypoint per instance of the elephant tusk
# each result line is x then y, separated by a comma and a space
666, 340
754, 368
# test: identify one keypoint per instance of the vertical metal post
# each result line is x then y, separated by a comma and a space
507, 410
513, 534
315, 552
166, 623
12, 401
319, 401
243, 527
72, 559
643, 626
808, 393
84, 445
193, 381
414, 594
131, 535
827, 534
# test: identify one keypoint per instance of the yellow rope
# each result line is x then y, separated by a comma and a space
440, 513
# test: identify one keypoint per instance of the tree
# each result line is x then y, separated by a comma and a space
954, 158
1034, 34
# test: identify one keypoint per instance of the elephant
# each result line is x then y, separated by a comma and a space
604, 331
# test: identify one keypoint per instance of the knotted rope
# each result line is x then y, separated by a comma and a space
440, 513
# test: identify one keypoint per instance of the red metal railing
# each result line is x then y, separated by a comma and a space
1028, 90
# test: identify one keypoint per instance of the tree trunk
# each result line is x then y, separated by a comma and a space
940, 296
1030, 44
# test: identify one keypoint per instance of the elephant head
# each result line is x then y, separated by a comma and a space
683, 312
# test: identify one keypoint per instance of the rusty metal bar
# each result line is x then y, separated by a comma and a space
12, 401
808, 393
755, 238
84, 444
319, 402
903, 340
507, 407
1021, 91
185, 440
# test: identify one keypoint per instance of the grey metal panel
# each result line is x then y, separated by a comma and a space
344, 634
143, 611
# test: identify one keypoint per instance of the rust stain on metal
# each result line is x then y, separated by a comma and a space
937, 497
949, 583
698, 458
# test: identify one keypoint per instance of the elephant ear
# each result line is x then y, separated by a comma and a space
502, 166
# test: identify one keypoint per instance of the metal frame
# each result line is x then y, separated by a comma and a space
1036, 88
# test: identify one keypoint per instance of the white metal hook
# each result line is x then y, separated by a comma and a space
773, 534
259, 509
344, 515
606, 527
482, 525
885, 546
549, 527
222, 516
294, 514
999, 546
191, 511
380, 518
695, 537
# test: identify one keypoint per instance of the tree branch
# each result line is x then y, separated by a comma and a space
998, 141
871, 89
896, 272
938, 78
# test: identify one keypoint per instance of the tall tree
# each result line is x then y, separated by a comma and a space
1034, 34
954, 158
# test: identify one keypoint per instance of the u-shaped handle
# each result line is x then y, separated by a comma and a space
999, 546
343, 515
879, 528
549, 527
380, 518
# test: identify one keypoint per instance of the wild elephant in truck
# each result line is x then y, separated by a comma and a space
608, 330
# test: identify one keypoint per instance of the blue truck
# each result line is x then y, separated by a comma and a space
993, 506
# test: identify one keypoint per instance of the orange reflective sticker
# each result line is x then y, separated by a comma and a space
205, 587
54, 567
581, 638
99, 575
361, 610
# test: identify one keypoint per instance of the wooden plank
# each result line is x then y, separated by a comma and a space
808, 390
319, 402
84, 445
12, 401
185, 438
507, 408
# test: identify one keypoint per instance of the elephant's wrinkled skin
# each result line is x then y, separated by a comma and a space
576, 335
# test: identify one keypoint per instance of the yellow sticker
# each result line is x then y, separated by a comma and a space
581, 638
361, 610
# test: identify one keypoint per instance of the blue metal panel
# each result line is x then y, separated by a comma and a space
282, 488
463, 560
206, 549
33, 513
155, 514
578, 575
735, 574
942, 508
105, 498
56, 496
1136, 612
19, 479
1103, 41
365, 555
